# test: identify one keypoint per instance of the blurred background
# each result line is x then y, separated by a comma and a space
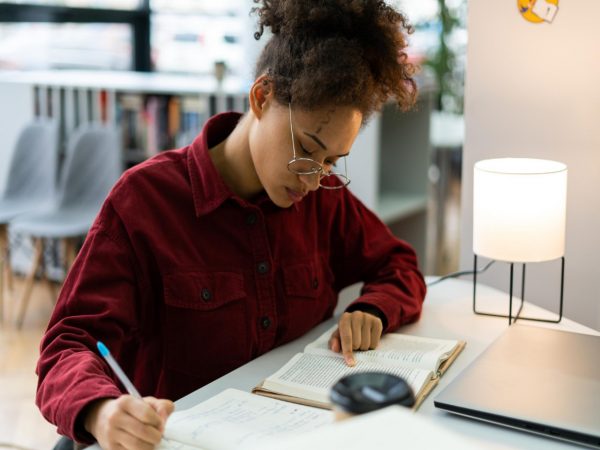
156, 69
188, 36
185, 45
200, 38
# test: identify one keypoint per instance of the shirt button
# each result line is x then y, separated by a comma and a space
315, 283
263, 267
251, 219
206, 294
265, 322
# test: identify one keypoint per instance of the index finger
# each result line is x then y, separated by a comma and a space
346, 340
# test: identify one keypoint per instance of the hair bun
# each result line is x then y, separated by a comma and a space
352, 49
323, 17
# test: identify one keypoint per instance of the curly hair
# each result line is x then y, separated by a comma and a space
336, 52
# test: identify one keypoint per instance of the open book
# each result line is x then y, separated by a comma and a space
237, 420
308, 376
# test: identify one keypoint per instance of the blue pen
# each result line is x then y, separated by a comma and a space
114, 365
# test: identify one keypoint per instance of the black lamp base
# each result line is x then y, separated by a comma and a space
510, 316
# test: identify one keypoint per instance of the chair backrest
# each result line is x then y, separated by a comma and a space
92, 165
33, 166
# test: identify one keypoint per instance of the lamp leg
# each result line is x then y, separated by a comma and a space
512, 267
523, 284
517, 316
562, 288
474, 283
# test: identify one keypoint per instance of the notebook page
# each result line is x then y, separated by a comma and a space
234, 419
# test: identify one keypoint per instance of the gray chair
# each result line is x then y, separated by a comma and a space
30, 184
92, 165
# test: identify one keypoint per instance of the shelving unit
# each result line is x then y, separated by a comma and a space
389, 167
76, 97
394, 207
404, 163
388, 163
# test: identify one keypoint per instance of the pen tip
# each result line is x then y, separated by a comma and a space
102, 349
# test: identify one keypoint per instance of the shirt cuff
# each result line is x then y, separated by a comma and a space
78, 431
370, 309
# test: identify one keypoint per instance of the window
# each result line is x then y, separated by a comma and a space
195, 43
108, 4
65, 46
192, 36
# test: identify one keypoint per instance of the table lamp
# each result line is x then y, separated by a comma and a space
519, 215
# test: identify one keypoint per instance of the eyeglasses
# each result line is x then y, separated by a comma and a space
308, 166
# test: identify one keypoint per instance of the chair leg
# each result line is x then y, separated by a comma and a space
70, 252
3, 253
47, 281
52, 289
37, 258
69, 246
7, 267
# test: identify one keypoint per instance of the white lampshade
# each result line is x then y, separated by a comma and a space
519, 209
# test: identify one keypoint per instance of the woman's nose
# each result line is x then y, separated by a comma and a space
311, 181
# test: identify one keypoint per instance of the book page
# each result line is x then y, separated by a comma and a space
235, 419
394, 349
311, 376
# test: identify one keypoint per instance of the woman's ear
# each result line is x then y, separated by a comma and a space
261, 93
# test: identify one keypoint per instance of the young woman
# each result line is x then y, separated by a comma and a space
206, 257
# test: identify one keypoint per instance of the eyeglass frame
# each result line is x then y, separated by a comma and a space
321, 171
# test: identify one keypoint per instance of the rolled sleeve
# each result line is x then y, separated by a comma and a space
97, 302
388, 266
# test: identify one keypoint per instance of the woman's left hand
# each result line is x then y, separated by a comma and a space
356, 330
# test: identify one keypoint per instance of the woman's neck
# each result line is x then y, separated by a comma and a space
233, 161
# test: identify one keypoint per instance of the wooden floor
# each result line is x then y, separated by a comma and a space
21, 424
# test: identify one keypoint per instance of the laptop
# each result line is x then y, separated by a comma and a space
534, 379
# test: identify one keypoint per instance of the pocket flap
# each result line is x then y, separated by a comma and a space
203, 290
301, 280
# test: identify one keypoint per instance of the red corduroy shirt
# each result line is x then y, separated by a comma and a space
185, 281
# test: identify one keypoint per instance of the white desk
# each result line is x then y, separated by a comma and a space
447, 313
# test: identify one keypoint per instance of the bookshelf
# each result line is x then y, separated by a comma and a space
388, 163
154, 112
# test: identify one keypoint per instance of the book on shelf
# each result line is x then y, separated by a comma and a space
152, 123
173, 118
129, 116
308, 377
239, 420
194, 112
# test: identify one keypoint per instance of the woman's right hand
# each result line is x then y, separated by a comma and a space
128, 422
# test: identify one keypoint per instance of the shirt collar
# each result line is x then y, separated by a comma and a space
208, 187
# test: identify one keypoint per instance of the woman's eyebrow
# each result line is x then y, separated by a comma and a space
316, 139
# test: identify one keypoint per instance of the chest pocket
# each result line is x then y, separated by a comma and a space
302, 280
205, 322
309, 296
203, 291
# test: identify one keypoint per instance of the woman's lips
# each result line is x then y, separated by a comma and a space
295, 196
